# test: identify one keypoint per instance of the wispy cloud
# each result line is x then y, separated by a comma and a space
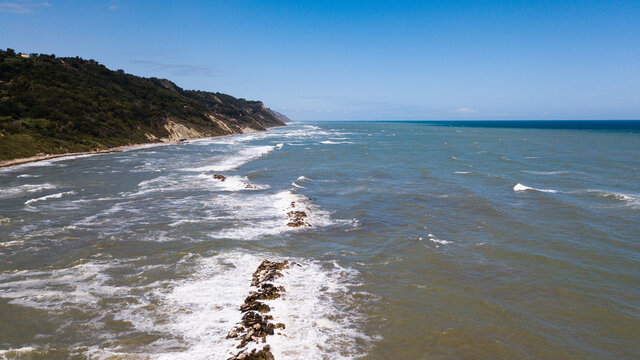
176, 69
466, 111
113, 7
21, 7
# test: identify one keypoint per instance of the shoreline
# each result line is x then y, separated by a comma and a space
32, 159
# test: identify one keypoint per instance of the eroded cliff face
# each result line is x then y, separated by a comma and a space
55, 105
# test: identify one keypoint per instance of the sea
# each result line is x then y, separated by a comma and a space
422, 240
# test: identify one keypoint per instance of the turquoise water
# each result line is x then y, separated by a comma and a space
427, 240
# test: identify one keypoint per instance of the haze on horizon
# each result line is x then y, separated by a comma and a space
357, 60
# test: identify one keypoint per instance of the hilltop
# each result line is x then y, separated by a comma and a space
52, 105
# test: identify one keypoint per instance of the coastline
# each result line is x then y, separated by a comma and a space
32, 159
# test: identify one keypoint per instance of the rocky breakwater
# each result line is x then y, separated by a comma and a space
297, 218
256, 322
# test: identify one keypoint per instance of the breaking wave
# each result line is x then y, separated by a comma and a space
52, 196
519, 187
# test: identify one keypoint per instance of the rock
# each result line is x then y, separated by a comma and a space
249, 186
264, 354
219, 177
297, 219
297, 214
235, 333
267, 271
255, 306
254, 326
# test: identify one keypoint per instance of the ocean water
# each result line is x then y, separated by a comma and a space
428, 240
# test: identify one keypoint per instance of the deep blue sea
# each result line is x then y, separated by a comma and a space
425, 240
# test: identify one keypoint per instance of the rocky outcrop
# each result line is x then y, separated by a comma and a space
256, 323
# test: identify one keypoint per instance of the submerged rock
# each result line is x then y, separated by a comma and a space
219, 177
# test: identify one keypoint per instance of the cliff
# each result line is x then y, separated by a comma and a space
51, 105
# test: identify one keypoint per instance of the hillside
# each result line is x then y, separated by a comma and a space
51, 105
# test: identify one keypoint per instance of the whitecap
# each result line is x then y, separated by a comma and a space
520, 187
431, 237
329, 142
559, 172
52, 196
632, 200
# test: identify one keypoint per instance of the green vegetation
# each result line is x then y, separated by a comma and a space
51, 105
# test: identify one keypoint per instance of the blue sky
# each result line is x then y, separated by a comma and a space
362, 60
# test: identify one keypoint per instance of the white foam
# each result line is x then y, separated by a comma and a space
546, 172
194, 314
28, 176
16, 353
461, 172
431, 237
266, 214
80, 287
298, 186
27, 188
629, 199
330, 142
520, 187
52, 196
234, 161
11, 243
202, 182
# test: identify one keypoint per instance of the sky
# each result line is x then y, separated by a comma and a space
361, 60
